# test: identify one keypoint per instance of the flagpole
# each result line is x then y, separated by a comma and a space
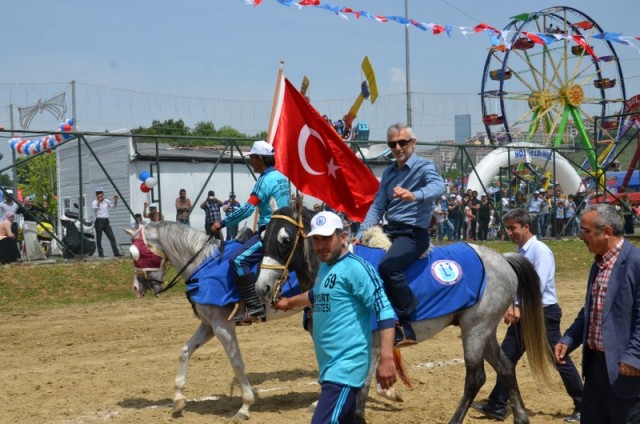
274, 104
269, 130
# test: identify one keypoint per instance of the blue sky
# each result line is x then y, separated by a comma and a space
225, 54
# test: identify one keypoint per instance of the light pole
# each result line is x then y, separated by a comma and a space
407, 63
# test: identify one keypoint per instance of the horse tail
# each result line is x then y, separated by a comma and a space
532, 322
401, 368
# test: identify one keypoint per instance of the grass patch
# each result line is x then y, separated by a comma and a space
25, 287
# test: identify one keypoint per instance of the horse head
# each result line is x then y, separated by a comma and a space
148, 261
286, 249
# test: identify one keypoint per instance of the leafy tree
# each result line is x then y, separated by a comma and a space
207, 130
5, 180
38, 177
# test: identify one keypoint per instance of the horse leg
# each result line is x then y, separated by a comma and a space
225, 330
389, 394
506, 373
203, 334
473, 344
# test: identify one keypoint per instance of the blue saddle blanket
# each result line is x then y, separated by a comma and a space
448, 279
212, 282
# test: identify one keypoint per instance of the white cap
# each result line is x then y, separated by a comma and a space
261, 148
536, 192
443, 197
153, 205
99, 190
325, 223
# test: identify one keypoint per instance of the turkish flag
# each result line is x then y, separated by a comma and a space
316, 160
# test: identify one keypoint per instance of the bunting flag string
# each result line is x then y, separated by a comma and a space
497, 37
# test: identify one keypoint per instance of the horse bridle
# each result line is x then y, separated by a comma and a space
284, 269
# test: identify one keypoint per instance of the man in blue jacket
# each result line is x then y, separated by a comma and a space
608, 326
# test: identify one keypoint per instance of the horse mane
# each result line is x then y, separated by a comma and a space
375, 237
180, 242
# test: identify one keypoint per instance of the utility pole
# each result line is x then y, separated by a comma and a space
407, 64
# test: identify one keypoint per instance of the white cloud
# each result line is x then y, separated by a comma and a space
397, 77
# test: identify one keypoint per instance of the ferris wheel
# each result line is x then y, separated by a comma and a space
552, 83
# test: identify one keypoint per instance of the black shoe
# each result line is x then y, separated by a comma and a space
405, 336
573, 418
118, 255
495, 413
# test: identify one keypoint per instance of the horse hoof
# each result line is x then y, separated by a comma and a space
391, 394
178, 406
240, 416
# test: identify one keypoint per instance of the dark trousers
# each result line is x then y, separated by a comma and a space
102, 225
407, 246
601, 405
232, 232
247, 255
514, 349
337, 404
628, 224
483, 228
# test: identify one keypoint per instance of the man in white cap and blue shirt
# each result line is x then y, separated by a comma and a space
347, 292
270, 184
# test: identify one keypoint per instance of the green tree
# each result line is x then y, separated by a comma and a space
5, 180
38, 177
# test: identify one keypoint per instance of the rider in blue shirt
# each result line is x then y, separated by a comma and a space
347, 292
406, 198
270, 184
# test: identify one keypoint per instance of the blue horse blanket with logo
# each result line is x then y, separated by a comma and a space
448, 279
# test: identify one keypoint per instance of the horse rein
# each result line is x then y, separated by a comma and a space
174, 281
284, 269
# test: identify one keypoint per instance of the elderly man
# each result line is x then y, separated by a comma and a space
407, 194
608, 326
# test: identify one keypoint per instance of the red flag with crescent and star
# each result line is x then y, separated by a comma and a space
316, 159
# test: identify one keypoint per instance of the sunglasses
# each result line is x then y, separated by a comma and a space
402, 143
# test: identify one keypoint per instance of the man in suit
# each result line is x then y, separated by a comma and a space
608, 326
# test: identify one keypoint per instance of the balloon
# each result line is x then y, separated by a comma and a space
70, 121
66, 127
150, 182
144, 188
143, 175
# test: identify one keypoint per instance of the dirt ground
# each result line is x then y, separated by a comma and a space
116, 363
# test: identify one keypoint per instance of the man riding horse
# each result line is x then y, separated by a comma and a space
406, 197
270, 184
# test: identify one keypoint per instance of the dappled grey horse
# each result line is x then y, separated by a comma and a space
178, 244
508, 276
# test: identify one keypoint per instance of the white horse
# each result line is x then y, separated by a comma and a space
178, 244
508, 276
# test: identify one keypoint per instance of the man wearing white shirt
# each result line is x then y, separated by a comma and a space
101, 208
517, 222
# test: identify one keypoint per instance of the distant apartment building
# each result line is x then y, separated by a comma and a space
462, 128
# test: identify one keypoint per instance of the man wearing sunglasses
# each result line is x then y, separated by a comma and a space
406, 198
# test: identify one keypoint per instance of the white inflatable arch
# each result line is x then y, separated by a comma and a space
520, 152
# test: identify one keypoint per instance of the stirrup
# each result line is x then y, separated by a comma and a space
245, 317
